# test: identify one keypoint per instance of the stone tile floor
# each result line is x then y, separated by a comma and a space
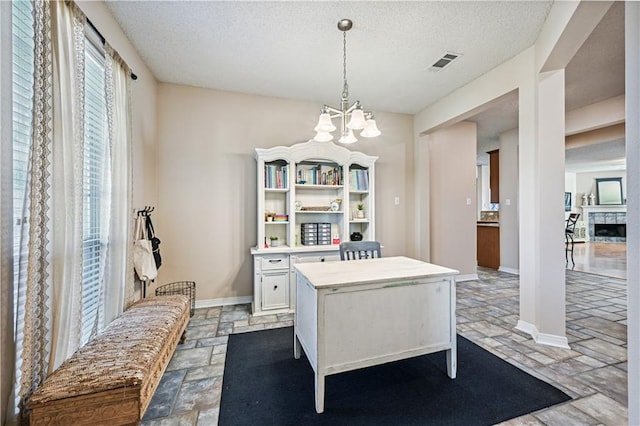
593, 372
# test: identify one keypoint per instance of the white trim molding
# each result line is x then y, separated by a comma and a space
543, 338
224, 301
508, 270
466, 277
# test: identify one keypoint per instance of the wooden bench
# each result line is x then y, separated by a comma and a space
110, 380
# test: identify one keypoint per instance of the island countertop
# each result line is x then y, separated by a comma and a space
368, 271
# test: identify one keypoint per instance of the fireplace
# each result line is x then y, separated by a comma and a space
605, 223
610, 230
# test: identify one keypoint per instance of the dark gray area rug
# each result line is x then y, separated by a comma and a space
264, 385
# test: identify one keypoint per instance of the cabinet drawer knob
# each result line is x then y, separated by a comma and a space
275, 260
322, 259
275, 287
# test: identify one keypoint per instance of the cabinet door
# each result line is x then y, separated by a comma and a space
275, 289
488, 246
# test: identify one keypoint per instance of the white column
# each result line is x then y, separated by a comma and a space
527, 200
632, 65
550, 304
541, 203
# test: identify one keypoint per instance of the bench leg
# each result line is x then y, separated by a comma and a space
183, 337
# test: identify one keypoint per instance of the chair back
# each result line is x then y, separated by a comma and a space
571, 223
355, 250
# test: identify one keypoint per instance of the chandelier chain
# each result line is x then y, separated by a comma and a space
345, 87
352, 117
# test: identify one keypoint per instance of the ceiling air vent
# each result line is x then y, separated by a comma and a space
444, 61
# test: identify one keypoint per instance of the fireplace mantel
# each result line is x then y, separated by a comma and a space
603, 214
614, 208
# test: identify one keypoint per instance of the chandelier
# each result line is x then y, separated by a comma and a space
352, 117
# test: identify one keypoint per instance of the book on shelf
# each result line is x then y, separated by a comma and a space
359, 180
276, 176
319, 174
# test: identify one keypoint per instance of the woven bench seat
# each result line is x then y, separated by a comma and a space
110, 380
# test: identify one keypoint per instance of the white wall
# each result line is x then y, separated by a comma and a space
586, 184
570, 186
595, 116
452, 194
483, 188
206, 215
509, 229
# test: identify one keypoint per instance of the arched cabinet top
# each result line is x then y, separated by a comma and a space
362, 159
314, 150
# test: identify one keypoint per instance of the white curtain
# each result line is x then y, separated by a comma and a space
53, 203
52, 237
68, 25
118, 271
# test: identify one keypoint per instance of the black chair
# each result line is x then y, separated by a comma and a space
569, 232
355, 250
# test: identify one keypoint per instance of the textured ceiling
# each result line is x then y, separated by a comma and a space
594, 74
608, 155
294, 50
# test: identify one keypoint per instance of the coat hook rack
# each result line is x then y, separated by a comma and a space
146, 211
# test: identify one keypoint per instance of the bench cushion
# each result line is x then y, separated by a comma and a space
131, 353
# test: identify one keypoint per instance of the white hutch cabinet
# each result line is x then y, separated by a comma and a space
325, 189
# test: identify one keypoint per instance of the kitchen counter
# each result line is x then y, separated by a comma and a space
489, 223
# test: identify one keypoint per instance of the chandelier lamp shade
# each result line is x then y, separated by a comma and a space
352, 117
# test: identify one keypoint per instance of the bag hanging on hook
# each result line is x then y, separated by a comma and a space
155, 242
143, 261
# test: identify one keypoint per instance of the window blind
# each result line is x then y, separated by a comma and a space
94, 188
22, 91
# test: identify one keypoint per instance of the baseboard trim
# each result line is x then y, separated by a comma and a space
552, 340
509, 270
466, 277
223, 301
543, 338
525, 327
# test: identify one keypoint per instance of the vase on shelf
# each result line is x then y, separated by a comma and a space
592, 200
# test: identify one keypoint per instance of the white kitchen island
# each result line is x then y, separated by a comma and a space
355, 314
